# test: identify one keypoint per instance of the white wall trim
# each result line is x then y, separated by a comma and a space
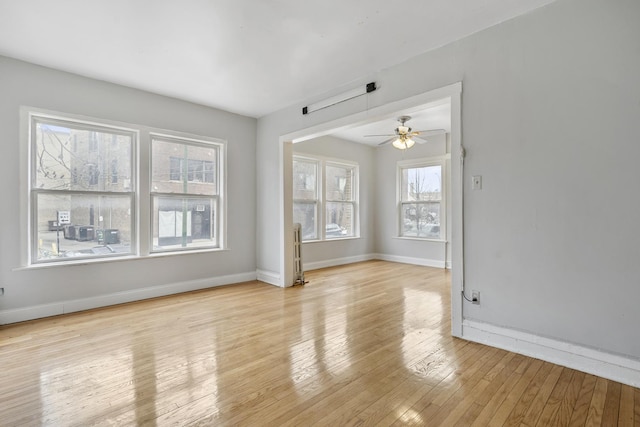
619, 368
70, 306
337, 261
410, 260
270, 277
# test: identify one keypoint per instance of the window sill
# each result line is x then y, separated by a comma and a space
420, 239
337, 239
160, 254
88, 261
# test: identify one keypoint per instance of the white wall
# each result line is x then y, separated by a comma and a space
550, 120
334, 252
45, 291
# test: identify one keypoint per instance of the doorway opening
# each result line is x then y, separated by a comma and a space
445, 101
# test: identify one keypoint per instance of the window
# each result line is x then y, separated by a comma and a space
420, 200
83, 198
305, 197
340, 200
197, 170
329, 212
114, 171
67, 158
186, 200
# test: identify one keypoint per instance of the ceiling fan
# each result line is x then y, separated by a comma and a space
403, 137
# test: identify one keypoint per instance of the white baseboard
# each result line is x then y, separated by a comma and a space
618, 368
70, 306
308, 266
409, 260
270, 277
337, 261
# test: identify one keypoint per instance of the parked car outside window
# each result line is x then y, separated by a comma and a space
334, 230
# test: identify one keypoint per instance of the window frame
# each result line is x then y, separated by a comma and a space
33, 213
321, 199
217, 228
137, 187
440, 161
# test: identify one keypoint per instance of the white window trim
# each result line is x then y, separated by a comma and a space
415, 163
322, 162
141, 210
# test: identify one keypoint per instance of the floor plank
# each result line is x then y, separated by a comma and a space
594, 418
581, 409
626, 407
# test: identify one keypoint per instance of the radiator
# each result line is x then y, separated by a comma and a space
298, 271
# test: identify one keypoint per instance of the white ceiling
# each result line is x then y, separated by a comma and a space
251, 57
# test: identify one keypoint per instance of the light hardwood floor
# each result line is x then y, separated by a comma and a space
364, 344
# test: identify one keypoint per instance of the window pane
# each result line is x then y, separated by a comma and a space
183, 168
305, 213
304, 180
100, 225
187, 222
420, 220
339, 220
339, 183
175, 168
68, 157
424, 183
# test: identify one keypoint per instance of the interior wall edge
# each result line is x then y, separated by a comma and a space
269, 277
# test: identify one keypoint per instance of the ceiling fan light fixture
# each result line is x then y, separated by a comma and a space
402, 138
403, 142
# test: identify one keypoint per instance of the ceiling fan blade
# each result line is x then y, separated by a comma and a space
428, 132
386, 134
387, 141
419, 140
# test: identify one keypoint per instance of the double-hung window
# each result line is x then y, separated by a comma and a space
325, 198
185, 193
76, 197
85, 201
421, 204
340, 200
306, 196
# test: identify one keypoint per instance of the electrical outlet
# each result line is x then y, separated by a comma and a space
475, 297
